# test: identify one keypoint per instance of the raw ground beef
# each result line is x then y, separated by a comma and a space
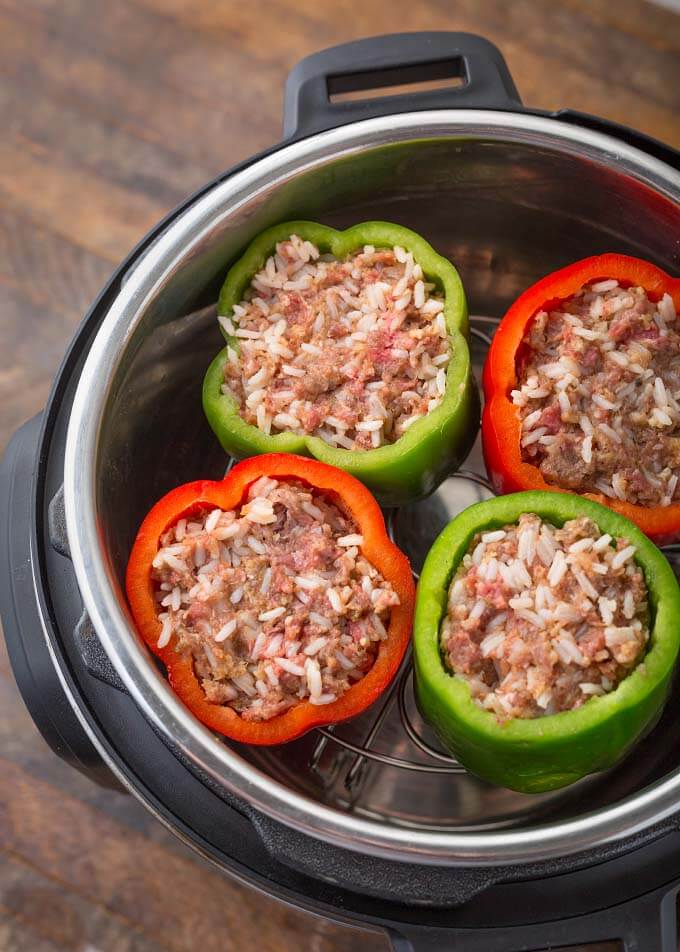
352, 351
540, 619
599, 394
274, 602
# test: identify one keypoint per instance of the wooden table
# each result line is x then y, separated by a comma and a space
111, 113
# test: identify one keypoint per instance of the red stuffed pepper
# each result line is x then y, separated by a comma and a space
582, 387
274, 597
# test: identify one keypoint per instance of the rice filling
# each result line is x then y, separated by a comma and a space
353, 351
599, 394
540, 619
274, 602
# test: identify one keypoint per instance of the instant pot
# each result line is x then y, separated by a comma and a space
370, 822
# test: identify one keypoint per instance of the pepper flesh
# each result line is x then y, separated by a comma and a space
227, 494
501, 424
433, 446
545, 753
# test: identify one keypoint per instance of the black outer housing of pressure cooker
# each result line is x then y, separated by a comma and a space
624, 890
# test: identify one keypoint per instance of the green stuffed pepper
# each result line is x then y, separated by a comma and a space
546, 633
350, 347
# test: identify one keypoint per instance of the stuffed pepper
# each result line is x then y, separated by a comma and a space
274, 597
350, 347
582, 388
547, 628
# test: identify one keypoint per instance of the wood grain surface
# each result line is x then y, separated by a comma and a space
111, 112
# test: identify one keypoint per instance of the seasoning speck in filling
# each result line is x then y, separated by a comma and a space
599, 394
353, 351
274, 602
540, 619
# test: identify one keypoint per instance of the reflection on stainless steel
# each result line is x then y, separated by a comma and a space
415, 727
476, 478
480, 335
508, 198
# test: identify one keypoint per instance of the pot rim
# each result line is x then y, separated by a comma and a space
113, 623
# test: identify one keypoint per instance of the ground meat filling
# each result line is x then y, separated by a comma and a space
274, 602
541, 619
599, 394
352, 351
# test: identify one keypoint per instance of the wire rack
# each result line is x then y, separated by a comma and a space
400, 693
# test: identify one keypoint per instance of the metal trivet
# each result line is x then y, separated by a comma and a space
401, 691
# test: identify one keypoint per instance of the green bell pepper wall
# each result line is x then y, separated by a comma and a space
432, 447
534, 755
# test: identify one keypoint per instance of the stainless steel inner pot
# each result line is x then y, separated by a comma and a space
508, 197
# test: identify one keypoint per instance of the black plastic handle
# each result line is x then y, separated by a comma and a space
479, 79
647, 924
22, 620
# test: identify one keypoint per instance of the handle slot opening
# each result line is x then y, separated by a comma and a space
420, 77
